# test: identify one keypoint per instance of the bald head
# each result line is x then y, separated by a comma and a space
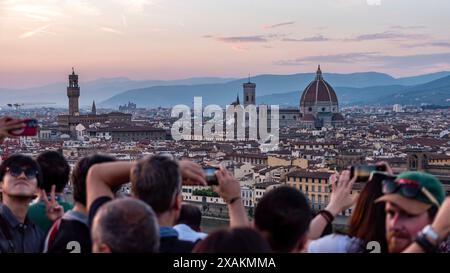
125, 225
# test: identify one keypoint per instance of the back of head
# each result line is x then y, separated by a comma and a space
55, 170
284, 215
156, 180
126, 225
368, 218
237, 240
79, 174
190, 215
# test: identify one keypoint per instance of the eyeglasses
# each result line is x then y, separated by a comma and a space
16, 171
409, 188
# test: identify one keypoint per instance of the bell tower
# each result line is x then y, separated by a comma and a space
73, 92
249, 93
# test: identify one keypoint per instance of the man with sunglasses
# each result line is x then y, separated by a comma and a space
19, 176
412, 201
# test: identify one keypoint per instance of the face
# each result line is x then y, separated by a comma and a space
402, 228
19, 185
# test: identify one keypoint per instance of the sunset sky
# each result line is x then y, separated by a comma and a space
169, 39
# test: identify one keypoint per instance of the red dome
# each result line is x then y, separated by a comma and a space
318, 92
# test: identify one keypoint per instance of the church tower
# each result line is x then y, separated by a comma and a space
93, 109
73, 92
249, 93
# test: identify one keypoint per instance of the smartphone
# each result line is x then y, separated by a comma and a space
362, 172
30, 129
210, 175
379, 177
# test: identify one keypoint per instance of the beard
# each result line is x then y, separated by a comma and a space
398, 241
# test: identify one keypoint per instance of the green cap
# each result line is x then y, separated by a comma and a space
421, 202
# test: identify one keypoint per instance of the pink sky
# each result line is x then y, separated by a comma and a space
142, 39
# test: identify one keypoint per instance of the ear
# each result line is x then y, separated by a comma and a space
178, 201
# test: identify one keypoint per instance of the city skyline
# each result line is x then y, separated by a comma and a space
141, 39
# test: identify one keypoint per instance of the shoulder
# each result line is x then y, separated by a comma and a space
175, 245
333, 243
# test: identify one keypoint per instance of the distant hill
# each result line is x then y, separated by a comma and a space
422, 78
346, 95
352, 88
97, 90
436, 92
355, 88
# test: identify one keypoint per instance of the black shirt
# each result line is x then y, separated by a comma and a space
73, 228
174, 245
25, 238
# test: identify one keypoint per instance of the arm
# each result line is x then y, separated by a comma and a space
340, 199
103, 177
230, 190
441, 225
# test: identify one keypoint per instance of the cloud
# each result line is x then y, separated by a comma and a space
83, 8
279, 25
38, 12
318, 38
431, 44
33, 32
335, 58
239, 48
111, 30
243, 39
246, 39
408, 27
387, 35
138, 6
374, 58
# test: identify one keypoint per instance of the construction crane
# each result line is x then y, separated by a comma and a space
18, 105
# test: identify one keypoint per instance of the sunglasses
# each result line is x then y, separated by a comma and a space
16, 171
408, 188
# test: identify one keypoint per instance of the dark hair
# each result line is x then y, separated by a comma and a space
156, 180
80, 171
283, 213
20, 161
237, 240
367, 221
55, 170
190, 215
127, 225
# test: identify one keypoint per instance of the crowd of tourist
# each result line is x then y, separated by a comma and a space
408, 213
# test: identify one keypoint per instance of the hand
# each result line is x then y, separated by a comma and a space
386, 165
8, 124
53, 210
191, 173
340, 198
441, 223
229, 187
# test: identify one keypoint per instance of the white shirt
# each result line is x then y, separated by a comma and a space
186, 233
335, 243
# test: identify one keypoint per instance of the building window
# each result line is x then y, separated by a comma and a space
323, 109
309, 109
